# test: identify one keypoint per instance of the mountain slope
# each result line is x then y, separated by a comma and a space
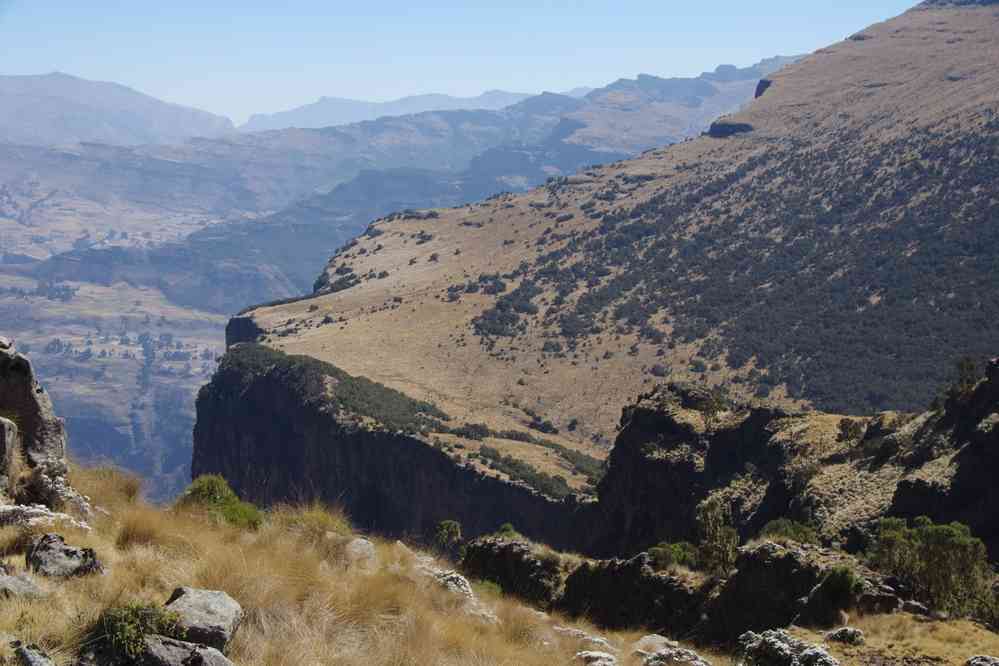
56, 109
834, 244
333, 111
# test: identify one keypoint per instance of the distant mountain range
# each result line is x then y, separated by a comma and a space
334, 111
101, 244
55, 109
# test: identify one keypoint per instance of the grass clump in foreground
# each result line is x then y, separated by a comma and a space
301, 604
123, 628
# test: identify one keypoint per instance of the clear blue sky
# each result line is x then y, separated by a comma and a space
236, 58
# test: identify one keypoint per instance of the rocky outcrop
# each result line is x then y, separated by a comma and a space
49, 555
968, 428
242, 328
43, 436
40, 436
778, 648
629, 593
277, 429
516, 567
722, 129
762, 87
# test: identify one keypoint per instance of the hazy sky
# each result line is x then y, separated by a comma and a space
237, 58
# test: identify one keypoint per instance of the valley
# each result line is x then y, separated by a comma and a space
175, 237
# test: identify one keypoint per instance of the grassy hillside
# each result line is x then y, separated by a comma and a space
831, 245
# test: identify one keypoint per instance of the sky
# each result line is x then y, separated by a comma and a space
239, 58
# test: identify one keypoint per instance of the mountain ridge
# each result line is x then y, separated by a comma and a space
58, 109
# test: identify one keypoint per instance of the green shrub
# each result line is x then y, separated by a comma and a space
125, 627
788, 530
212, 492
507, 530
669, 555
719, 540
841, 586
448, 538
945, 565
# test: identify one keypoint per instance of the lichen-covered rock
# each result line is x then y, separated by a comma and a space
31, 655
33, 515
208, 617
847, 635
650, 644
515, 566
20, 586
41, 435
594, 658
778, 648
983, 661
675, 656
584, 638
163, 651
454, 582
50, 556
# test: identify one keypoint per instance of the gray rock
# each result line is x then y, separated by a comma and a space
915, 608
983, 661
454, 582
21, 586
42, 433
31, 655
162, 651
675, 655
360, 553
847, 635
9, 441
778, 648
583, 637
649, 645
50, 556
591, 658
208, 617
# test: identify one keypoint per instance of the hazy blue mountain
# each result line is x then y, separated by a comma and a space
333, 111
55, 109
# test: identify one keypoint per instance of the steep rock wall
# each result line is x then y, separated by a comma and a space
275, 438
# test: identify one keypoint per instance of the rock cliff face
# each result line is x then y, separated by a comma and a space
282, 428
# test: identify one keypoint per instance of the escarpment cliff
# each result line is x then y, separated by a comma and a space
285, 428
282, 429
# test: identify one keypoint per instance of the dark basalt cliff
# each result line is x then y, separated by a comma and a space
286, 428
282, 428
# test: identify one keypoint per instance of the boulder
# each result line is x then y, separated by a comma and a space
163, 651
847, 635
723, 129
916, 608
675, 655
454, 582
649, 645
360, 553
778, 648
516, 567
585, 638
592, 658
43, 436
983, 661
21, 586
31, 655
50, 556
208, 617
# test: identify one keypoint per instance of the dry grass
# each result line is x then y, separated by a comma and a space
302, 605
902, 637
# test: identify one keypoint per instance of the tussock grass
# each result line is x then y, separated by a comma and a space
302, 605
